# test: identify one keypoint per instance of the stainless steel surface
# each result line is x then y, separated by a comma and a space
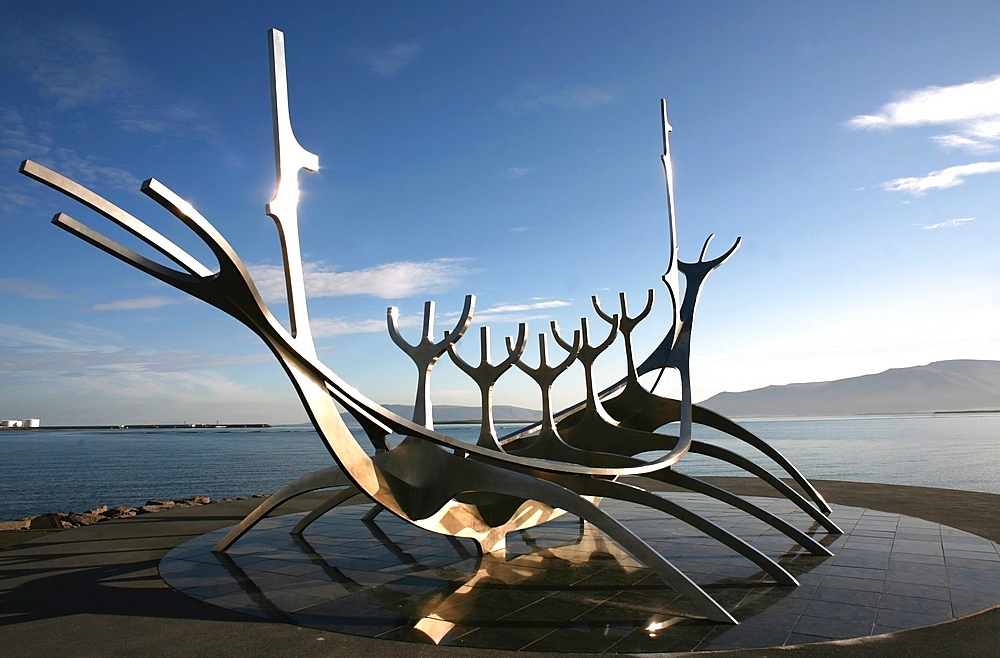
485, 375
426, 352
486, 490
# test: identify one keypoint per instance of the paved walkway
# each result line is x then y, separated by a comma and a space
95, 591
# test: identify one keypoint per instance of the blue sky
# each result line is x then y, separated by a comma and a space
509, 150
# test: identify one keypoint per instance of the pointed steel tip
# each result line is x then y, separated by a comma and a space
667, 128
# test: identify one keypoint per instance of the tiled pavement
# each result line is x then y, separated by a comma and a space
96, 591
562, 587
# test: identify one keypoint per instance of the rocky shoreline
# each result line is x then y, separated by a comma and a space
59, 520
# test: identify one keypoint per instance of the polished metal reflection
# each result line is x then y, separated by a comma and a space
564, 464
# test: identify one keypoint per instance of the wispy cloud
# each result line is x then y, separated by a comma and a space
520, 312
74, 65
939, 180
91, 171
951, 223
971, 110
326, 327
27, 289
135, 304
12, 200
517, 172
390, 62
388, 281
82, 347
17, 138
532, 98
23, 137
25, 338
177, 117
518, 308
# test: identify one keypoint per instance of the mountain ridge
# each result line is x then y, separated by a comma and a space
953, 385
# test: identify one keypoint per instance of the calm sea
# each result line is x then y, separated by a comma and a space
77, 470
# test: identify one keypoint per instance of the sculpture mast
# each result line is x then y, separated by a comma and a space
670, 277
289, 157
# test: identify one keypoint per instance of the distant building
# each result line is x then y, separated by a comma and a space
27, 423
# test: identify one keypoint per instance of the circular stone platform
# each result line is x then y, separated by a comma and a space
564, 587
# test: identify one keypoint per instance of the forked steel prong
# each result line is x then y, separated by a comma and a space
109, 210
626, 324
426, 352
485, 375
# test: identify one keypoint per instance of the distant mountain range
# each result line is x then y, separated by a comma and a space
961, 385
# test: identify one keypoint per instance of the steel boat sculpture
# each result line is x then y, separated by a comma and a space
564, 464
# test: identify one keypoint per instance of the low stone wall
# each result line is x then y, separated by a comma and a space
60, 520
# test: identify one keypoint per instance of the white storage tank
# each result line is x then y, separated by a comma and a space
30, 422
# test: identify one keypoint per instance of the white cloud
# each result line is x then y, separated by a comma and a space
951, 223
515, 313
939, 180
27, 289
532, 98
22, 138
518, 172
88, 350
182, 117
971, 109
75, 65
90, 171
518, 308
12, 201
135, 304
18, 139
388, 281
24, 338
390, 62
326, 327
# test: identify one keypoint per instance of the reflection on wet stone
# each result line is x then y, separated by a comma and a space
566, 587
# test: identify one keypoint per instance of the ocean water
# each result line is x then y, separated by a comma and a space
76, 470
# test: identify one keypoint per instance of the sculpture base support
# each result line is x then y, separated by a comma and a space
564, 586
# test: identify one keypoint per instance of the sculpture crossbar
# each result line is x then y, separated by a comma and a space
564, 464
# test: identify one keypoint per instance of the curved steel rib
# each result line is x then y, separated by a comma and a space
339, 498
633, 494
324, 479
672, 476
